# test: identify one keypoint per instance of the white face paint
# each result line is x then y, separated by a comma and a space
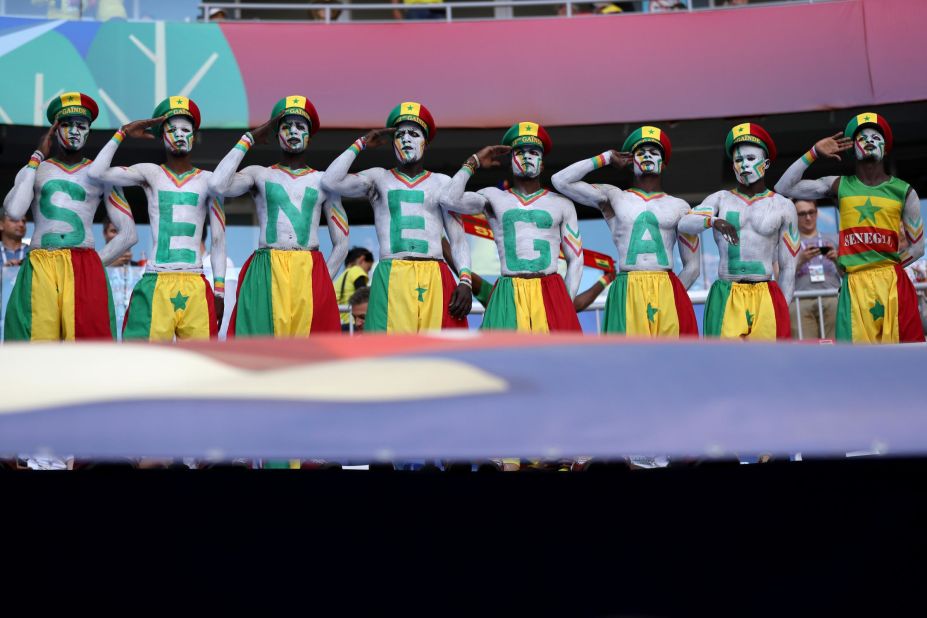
527, 161
409, 143
72, 132
648, 160
750, 163
293, 133
178, 135
869, 144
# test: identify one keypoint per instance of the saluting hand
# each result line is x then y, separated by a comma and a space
45, 144
139, 128
378, 137
830, 147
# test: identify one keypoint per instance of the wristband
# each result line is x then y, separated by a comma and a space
466, 277
476, 159
468, 167
604, 281
118, 136
810, 157
358, 145
709, 221
246, 142
600, 160
218, 286
36, 158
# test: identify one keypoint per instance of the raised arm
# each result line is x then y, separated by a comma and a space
19, 199
913, 226
568, 181
338, 231
118, 211
100, 171
572, 248
788, 237
337, 180
791, 184
225, 180
471, 203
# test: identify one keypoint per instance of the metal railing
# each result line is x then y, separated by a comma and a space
449, 7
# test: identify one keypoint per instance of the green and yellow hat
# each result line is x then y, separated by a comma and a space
750, 133
297, 105
527, 133
870, 119
177, 106
72, 104
650, 134
410, 111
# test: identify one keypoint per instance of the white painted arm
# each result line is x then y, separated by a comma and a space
791, 184
913, 226
217, 244
457, 238
225, 181
572, 248
454, 197
568, 181
101, 173
118, 211
338, 181
338, 231
787, 261
19, 199
701, 217
691, 260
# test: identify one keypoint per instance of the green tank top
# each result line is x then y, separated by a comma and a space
870, 219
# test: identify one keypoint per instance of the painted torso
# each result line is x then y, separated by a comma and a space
408, 219
758, 221
289, 206
527, 229
870, 219
644, 228
178, 207
64, 204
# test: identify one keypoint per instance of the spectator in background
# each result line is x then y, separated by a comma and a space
607, 8
12, 247
735, 2
816, 269
578, 9
357, 265
420, 13
217, 15
319, 14
358, 302
104, 10
663, 6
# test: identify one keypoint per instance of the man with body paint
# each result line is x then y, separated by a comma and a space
285, 288
173, 297
760, 227
412, 289
61, 291
877, 302
647, 298
529, 224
